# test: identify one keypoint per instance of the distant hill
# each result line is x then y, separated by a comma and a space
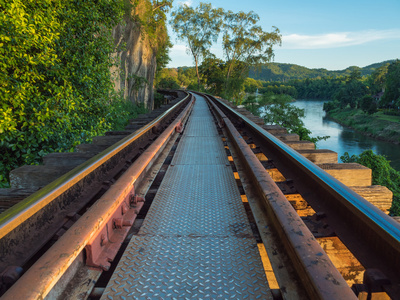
285, 72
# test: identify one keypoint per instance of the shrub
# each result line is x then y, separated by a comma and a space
55, 86
382, 174
331, 105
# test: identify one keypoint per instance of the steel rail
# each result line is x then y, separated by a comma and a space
19, 213
320, 277
38, 281
378, 230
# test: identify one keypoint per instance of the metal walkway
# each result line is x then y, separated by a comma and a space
196, 241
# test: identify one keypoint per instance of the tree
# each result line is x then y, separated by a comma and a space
353, 91
392, 92
252, 85
368, 105
187, 76
213, 70
377, 79
245, 44
168, 83
199, 28
276, 109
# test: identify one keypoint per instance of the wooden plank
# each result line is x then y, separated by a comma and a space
350, 268
275, 174
301, 145
380, 196
297, 201
292, 137
320, 156
350, 174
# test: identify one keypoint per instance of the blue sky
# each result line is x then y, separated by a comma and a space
318, 34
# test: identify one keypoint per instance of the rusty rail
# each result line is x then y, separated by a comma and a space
362, 225
20, 212
27, 226
101, 230
319, 276
37, 282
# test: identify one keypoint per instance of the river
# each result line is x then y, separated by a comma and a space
343, 139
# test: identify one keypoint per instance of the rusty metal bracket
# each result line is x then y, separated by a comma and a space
179, 127
103, 247
134, 200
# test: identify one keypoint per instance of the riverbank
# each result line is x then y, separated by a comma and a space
379, 126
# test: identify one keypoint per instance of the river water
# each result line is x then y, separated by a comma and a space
343, 139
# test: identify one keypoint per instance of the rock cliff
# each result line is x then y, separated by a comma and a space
136, 59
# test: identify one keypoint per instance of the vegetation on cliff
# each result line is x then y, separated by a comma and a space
56, 89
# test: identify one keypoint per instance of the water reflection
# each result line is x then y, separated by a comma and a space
343, 139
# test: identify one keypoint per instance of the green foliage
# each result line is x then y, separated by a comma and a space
251, 85
376, 81
158, 100
122, 111
352, 92
368, 105
377, 125
382, 174
168, 83
392, 113
199, 28
348, 86
392, 92
213, 75
245, 44
276, 109
285, 72
331, 105
150, 16
55, 85
187, 77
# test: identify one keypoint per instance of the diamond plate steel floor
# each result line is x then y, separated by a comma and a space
196, 242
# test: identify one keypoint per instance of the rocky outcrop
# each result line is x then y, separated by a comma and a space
136, 58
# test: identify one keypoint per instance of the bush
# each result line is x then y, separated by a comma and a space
382, 174
168, 83
368, 105
55, 81
331, 105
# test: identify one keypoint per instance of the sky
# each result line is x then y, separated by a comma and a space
317, 33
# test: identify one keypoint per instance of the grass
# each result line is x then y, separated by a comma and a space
378, 125
380, 115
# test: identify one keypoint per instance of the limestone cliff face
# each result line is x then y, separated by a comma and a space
137, 62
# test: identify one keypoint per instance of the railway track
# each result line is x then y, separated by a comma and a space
321, 239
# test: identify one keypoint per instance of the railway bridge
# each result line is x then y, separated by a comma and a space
199, 201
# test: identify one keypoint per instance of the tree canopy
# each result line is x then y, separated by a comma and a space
392, 92
246, 44
199, 28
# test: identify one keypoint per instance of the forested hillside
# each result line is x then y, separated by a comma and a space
285, 72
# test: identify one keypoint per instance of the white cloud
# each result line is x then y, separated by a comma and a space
335, 40
178, 48
187, 2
